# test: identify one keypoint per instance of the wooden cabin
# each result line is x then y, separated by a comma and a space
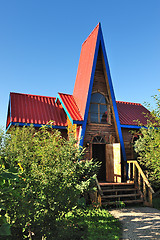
101, 123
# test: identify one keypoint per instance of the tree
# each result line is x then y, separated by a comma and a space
47, 179
148, 145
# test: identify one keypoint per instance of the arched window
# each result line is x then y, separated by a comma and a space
98, 108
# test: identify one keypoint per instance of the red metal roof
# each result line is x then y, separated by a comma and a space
71, 106
35, 109
81, 87
129, 112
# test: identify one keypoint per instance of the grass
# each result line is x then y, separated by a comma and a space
88, 224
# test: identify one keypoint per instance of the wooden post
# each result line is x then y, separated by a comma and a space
139, 180
144, 190
129, 171
134, 172
99, 200
150, 197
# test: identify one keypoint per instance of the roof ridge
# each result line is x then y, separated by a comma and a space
91, 33
32, 95
129, 103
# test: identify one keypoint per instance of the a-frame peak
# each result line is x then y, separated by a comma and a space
93, 32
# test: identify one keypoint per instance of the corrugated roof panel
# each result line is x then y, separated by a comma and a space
35, 109
130, 112
81, 87
71, 106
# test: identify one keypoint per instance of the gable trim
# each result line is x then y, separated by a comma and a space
9, 110
64, 107
113, 98
66, 111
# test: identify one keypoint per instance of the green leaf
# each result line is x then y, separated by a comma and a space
5, 230
8, 175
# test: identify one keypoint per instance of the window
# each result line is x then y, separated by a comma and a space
98, 108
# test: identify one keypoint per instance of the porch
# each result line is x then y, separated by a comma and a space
136, 189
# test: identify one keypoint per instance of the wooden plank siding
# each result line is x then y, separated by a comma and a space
128, 143
107, 131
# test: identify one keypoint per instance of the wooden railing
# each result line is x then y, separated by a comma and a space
99, 192
136, 174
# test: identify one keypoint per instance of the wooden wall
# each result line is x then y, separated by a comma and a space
107, 131
128, 143
92, 130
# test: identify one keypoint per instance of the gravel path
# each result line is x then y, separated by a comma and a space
139, 222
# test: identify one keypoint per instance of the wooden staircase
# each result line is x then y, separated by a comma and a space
120, 194
137, 189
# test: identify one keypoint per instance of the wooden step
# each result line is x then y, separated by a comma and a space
121, 196
119, 190
105, 186
114, 184
118, 193
134, 201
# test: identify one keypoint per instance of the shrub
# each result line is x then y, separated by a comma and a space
49, 179
148, 146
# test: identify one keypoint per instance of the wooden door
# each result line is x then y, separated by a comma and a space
117, 162
109, 163
113, 162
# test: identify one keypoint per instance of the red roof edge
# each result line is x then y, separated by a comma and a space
98, 25
129, 103
34, 95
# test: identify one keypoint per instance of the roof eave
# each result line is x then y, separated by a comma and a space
131, 126
34, 125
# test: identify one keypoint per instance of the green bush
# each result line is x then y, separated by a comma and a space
42, 178
148, 146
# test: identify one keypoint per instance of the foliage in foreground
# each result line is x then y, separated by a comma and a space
89, 224
148, 146
41, 179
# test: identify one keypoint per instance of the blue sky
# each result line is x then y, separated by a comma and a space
40, 43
